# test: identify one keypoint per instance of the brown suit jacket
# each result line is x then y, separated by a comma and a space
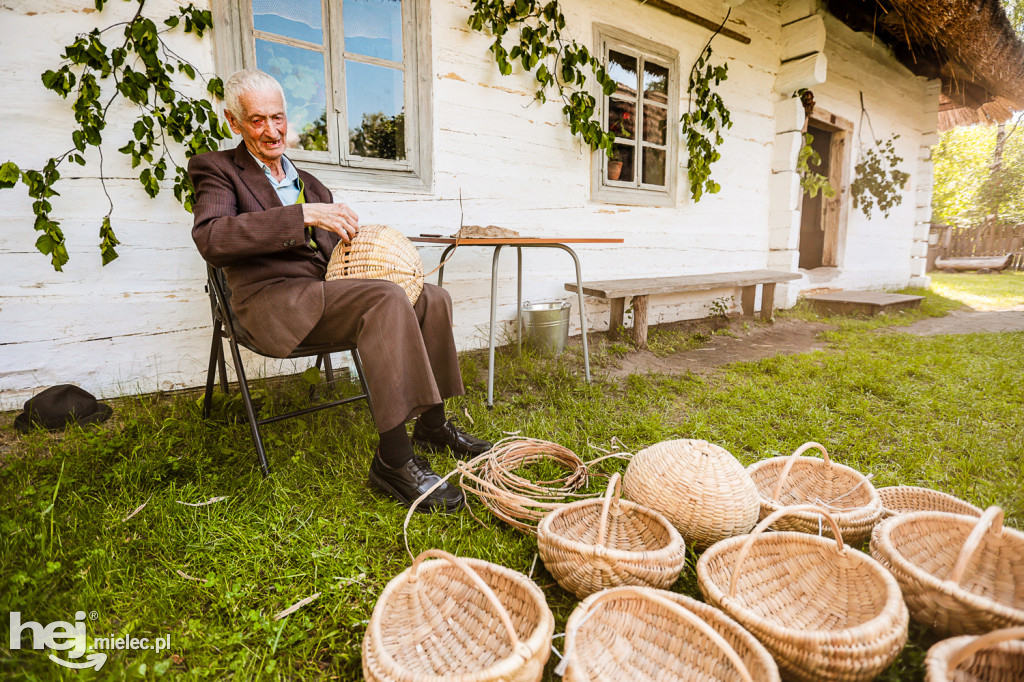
276, 276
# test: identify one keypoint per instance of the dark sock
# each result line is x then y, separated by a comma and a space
395, 447
434, 417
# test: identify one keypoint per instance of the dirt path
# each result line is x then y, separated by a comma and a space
788, 337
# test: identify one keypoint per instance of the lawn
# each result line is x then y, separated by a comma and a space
945, 412
981, 292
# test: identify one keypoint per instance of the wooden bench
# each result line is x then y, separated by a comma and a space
639, 289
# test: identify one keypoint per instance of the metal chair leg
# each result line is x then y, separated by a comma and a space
211, 373
362, 380
249, 410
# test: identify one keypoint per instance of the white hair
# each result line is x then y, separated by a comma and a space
246, 81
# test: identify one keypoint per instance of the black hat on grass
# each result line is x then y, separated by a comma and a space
58, 406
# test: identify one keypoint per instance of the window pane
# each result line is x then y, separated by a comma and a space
292, 18
376, 118
654, 166
620, 165
655, 123
301, 74
622, 68
656, 82
622, 118
374, 28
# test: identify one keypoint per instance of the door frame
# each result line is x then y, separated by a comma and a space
834, 210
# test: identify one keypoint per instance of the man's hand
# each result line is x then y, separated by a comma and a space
337, 218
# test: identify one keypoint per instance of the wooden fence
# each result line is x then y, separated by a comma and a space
987, 239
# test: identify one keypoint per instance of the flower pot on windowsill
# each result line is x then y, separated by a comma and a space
614, 169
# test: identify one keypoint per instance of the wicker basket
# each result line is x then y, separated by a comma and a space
846, 493
959, 575
458, 619
379, 252
901, 499
700, 487
592, 545
824, 610
989, 658
639, 634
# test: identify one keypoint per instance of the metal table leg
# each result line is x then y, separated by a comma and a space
583, 310
440, 268
490, 342
519, 300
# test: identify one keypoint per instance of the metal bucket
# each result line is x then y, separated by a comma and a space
546, 325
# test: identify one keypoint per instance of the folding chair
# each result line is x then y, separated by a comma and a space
226, 326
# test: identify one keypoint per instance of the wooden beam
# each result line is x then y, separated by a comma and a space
677, 11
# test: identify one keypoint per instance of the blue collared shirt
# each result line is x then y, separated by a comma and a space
287, 189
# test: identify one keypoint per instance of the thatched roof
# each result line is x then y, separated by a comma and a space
969, 44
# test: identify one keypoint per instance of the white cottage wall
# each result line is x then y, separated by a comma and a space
142, 323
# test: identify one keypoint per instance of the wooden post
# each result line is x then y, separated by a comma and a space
747, 300
767, 301
618, 307
640, 321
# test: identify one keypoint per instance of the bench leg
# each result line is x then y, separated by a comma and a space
747, 300
618, 309
640, 321
767, 301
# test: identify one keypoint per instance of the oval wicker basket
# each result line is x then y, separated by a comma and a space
959, 575
379, 252
700, 487
639, 634
903, 499
458, 619
846, 493
825, 611
592, 545
989, 658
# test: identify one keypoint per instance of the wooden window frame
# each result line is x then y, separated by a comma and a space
612, 192
234, 38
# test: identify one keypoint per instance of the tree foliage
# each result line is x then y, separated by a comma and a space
141, 69
971, 183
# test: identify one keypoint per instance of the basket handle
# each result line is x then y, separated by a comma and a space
983, 642
769, 520
991, 519
477, 580
687, 615
792, 460
614, 489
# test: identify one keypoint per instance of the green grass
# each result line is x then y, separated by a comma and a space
981, 292
946, 412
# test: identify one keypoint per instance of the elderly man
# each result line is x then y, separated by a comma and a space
272, 228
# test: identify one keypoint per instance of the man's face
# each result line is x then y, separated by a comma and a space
263, 126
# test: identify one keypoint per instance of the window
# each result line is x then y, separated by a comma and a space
642, 112
351, 73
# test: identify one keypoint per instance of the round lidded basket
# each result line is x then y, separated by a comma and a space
994, 657
591, 545
640, 634
824, 611
379, 252
959, 575
903, 499
458, 619
700, 488
794, 480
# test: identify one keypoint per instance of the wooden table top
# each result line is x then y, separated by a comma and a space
513, 241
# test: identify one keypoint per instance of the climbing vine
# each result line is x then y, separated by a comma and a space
140, 66
811, 181
705, 118
878, 181
560, 67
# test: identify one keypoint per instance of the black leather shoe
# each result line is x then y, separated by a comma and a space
407, 482
450, 436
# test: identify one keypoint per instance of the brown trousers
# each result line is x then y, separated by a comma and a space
408, 351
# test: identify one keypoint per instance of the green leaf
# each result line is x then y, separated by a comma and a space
9, 174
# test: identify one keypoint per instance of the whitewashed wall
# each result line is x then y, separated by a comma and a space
142, 323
